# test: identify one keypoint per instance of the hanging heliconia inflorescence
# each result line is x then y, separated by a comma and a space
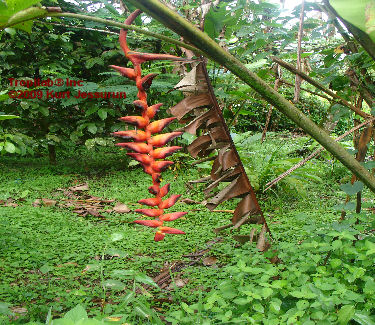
148, 148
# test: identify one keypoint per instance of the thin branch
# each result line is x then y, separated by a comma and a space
314, 154
320, 86
297, 88
269, 114
83, 28
307, 90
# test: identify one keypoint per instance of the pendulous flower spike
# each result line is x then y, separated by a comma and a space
152, 110
160, 166
153, 213
138, 58
172, 216
161, 139
139, 147
144, 145
152, 202
159, 236
138, 121
137, 136
142, 158
140, 104
124, 33
126, 72
169, 230
161, 153
164, 190
159, 125
149, 223
169, 202
146, 81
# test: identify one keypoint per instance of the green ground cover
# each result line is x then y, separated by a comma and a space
53, 259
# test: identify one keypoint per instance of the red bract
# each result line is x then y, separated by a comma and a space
144, 145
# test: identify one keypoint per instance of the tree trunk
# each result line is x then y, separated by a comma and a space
52, 154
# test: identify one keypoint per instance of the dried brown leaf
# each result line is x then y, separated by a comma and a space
188, 104
121, 208
48, 202
79, 188
238, 187
209, 260
36, 203
247, 206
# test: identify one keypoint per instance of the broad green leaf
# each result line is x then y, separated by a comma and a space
256, 65
123, 273
102, 113
92, 128
275, 305
18, 5
350, 189
76, 314
146, 280
302, 304
23, 19
44, 110
363, 319
91, 110
4, 308
371, 247
114, 284
258, 307
116, 252
266, 292
9, 147
46, 268
49, 317
361, 14
345, 314
116, 236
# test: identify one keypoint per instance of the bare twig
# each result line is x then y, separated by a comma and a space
297, 88
83, 28
318, 85
269, 114
314, 154
307, 90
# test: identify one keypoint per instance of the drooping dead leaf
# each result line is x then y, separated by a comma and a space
121, 208
201, 111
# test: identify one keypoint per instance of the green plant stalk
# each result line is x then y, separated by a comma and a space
183, 27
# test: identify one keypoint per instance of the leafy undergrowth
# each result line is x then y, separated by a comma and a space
53, 259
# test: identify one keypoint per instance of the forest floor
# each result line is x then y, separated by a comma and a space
62, 240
